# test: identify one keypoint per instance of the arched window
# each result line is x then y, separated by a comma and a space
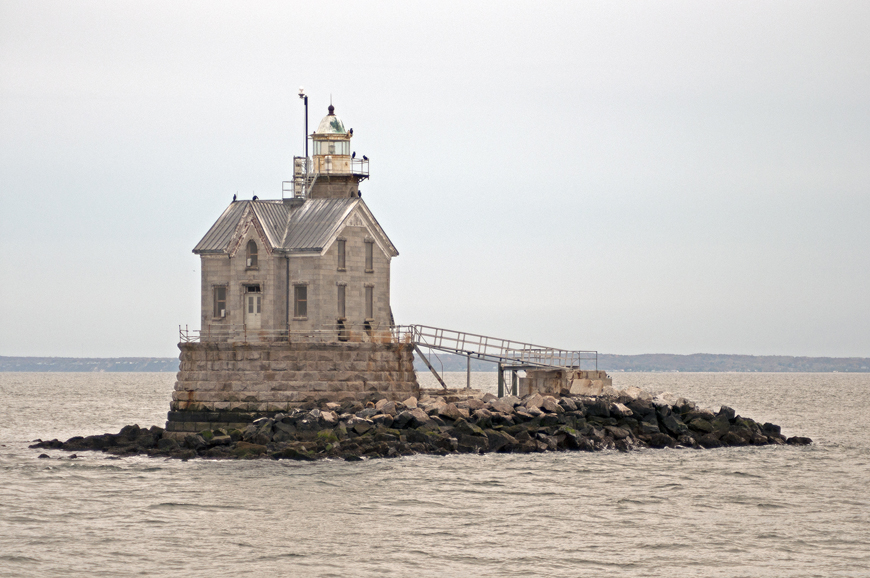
252, 255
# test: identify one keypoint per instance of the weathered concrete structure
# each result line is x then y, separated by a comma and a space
556, 381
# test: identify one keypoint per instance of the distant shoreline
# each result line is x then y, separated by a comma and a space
649, 362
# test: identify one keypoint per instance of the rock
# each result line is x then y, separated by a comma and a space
733, 438
500, 441
473, 404
194, 442
410, 403
383, 419
419, 417
451, 412
333, 406
381, 403
43, 456
771, 429
727, 412
599, 408
483, 418
700, 425
329, 418
675, 425
534, 401
798, 441
637, 394
245, 449
367, 412
619, 410
568, 404
403, 419
502, 405
167, 444
362, 426
661, 440
709, 441
488, 397
220, 441
618, 433
550, 404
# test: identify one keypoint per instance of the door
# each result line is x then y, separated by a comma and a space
253, 310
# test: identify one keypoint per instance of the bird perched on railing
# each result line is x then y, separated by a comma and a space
350, 132
365, 158
353, 156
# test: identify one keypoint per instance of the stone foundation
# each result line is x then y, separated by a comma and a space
556, 382
228, 385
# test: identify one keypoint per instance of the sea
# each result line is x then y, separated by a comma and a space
751, 511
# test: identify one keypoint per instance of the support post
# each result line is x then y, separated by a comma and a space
468, 374
500, 380
514, 381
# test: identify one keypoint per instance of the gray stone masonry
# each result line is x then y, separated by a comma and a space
228, 381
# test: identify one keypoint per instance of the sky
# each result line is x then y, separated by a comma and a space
627, 177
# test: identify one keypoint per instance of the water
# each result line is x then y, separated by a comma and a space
769, 511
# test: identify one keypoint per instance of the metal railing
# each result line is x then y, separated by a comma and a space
494, 349
305, 175
503, 351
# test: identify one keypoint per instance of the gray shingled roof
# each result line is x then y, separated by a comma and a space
291, 227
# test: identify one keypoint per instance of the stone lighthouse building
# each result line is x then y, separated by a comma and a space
314, 262
295, 299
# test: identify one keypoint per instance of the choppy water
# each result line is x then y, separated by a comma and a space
769, 511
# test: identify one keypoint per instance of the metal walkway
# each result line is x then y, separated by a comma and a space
506, 353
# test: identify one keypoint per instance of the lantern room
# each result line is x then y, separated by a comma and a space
331, 146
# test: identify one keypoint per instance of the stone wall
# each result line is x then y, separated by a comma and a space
230, 384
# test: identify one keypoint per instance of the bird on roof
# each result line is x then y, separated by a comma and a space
365, 158
350, 132
234, 198
353, 156
359, 193
255, 198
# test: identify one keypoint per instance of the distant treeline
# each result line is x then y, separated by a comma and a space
95, 364
701, 362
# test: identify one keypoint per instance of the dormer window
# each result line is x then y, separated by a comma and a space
251, 255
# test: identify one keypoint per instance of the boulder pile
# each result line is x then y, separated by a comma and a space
442, 425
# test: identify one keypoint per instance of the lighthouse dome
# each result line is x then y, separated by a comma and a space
331, 124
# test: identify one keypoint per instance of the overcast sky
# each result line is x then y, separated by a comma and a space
673, 177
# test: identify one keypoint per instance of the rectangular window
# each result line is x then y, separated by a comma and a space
341, 245
341, 302
370, 302
300, 301
369, 256
220, 301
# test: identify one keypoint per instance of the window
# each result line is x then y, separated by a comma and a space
300, 301
341, 301
220, 301
251, 263
369, 256
370, 302
341, 262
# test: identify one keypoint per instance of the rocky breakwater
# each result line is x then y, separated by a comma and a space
445, 424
